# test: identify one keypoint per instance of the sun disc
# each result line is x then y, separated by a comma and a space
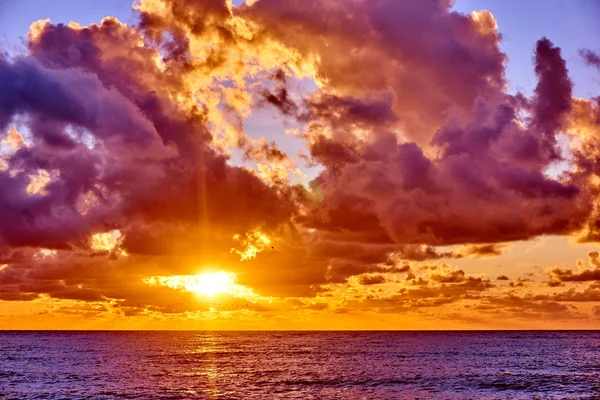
211, 283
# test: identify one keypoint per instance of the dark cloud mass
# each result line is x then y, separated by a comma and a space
418, 142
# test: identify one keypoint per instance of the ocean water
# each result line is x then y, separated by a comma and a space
299, 365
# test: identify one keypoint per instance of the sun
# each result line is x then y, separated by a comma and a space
210, 283
207, 284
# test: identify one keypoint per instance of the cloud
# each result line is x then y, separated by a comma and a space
590, 57
591, 293
124, 155
128, 132
410, 198
553, 93
280, 99
487, 250
488, 158
372, 179
560, 275
520, 282
443, 287
381, 38
372, 279
526, 308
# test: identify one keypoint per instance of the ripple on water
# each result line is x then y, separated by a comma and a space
306, 365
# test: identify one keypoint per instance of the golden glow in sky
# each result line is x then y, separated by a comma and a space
208, 284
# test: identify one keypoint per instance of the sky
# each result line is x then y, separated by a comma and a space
316, 164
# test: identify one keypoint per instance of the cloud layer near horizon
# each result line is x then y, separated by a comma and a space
129, 129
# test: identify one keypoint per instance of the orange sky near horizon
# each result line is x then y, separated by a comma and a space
407, 187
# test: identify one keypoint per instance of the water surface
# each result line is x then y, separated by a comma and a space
299, 365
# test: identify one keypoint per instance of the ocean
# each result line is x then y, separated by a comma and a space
300, 365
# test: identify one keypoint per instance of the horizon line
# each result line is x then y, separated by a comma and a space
2, 330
